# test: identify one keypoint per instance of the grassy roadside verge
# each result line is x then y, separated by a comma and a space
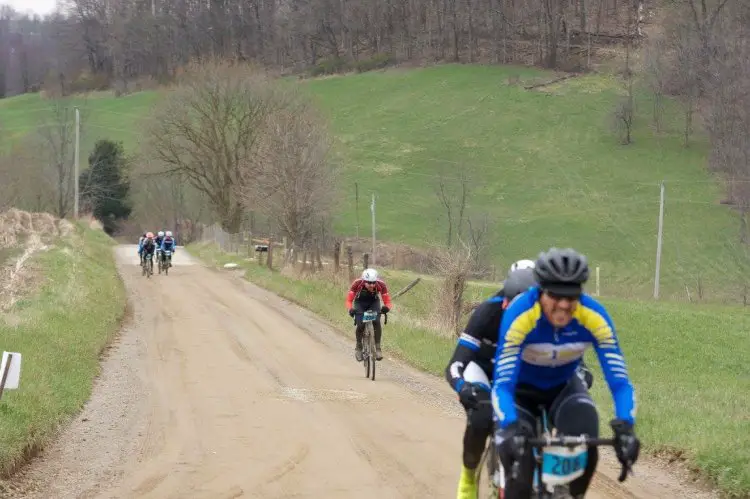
688, 364
60, 329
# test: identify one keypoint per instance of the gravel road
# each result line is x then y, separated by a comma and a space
219, 389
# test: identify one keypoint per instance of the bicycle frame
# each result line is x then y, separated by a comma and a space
566, 461
368, 341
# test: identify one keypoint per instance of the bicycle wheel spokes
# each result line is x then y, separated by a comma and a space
372, 350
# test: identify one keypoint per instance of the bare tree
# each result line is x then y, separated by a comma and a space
291, 180
656, 75
452, 193
57, 145
207, 129
622, 118
119, 41
479, 241
728, 119
454, 265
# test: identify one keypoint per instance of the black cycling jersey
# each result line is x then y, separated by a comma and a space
478, 342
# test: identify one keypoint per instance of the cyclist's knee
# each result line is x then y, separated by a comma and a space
577, 415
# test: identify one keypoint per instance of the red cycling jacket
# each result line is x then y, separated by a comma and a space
359, 284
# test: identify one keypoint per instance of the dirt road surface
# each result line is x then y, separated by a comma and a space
218, 389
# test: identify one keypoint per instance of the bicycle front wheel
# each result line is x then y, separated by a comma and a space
366, 352
488, 467
372, 348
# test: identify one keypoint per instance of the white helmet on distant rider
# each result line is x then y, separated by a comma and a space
521, 264
370, 275
169, 233
161, 233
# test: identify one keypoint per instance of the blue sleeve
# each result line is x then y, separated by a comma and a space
598, 322
518, 321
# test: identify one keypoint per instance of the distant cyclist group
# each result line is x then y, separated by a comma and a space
156, 247
521, 354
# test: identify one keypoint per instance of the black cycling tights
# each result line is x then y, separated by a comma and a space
572, 412
359, 309
478, 428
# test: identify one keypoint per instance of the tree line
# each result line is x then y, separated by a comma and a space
102, 42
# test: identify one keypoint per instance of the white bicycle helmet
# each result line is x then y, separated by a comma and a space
161, 233
521, 264
169, 233
370, 275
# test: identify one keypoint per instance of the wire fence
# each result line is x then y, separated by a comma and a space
703, 257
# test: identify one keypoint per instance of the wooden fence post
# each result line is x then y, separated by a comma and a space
337, 256
269, 259
350, 262
365, 261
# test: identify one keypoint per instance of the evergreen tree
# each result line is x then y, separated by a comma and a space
104, 187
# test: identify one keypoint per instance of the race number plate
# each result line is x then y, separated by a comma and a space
562, 465
369, 316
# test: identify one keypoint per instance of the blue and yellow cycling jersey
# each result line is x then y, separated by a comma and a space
532, 351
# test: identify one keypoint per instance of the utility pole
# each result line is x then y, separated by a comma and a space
77, 156
659, 242
372, 209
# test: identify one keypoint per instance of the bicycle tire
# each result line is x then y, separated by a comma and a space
372, 349
485, 481
366, 352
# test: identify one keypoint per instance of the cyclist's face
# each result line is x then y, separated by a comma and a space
370, 286
558, 309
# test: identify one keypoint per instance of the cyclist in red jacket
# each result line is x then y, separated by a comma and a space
363, 296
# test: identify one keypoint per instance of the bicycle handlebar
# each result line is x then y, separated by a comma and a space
567, 441
570, 441
384, 315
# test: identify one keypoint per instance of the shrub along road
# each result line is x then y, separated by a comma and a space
218, 388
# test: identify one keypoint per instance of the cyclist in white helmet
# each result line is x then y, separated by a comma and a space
521, 264
364, 295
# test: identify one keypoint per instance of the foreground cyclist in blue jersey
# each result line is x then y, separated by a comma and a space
543, 335
470, 370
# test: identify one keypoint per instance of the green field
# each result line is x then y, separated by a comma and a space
688, 365
102, 117
60, 329
544, 166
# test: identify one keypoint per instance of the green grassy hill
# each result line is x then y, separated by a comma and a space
102, 115
544, 165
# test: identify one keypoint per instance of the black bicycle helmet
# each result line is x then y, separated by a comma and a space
562, 272
517, 282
